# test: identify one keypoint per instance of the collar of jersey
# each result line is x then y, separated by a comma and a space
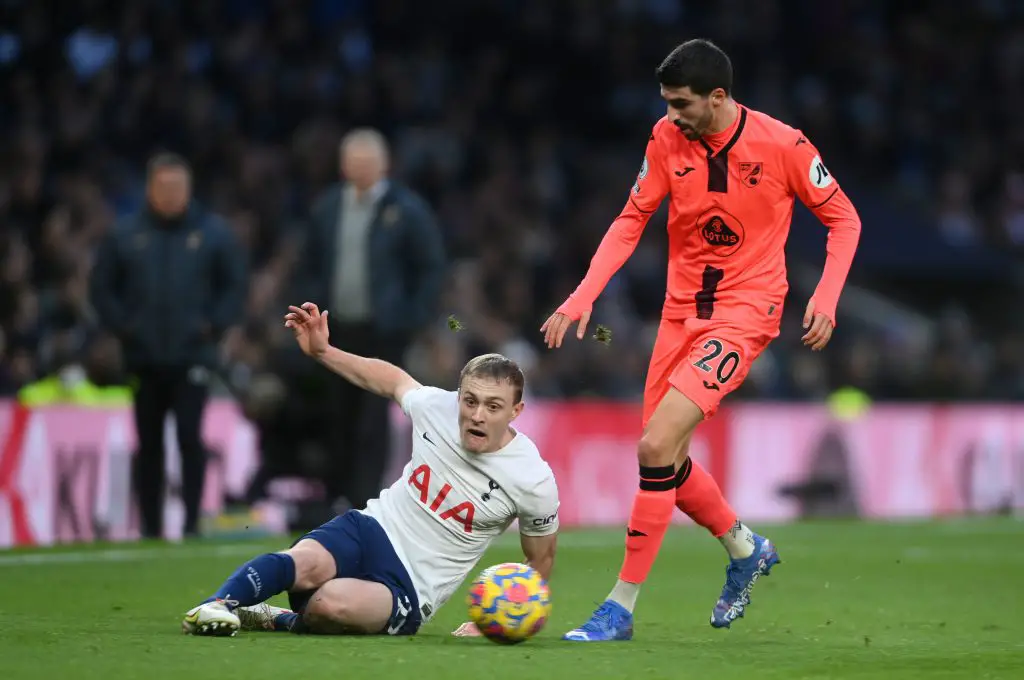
730, 135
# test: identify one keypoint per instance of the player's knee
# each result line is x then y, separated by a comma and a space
333, 610
314, 566
666, 437
326, 614
657, 451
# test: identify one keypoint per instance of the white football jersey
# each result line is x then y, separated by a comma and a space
449, 504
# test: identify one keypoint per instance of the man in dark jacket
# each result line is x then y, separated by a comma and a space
375, 259
169, 282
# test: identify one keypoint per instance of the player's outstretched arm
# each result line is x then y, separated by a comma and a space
373, 375
618, 244
616, 247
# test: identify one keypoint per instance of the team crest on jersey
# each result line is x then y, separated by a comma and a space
722, 233
640, 176
752, 174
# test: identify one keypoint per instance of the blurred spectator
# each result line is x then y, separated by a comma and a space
169, 282
374, 259
958, 222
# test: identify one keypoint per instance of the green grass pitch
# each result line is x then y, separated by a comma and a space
850, 600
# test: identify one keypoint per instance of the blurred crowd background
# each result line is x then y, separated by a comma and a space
522, 123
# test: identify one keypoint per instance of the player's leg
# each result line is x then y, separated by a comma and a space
719, 362
699, 496
663, 442
371, 592
661, 445
268, 618
304, 567
349, 606
697, 493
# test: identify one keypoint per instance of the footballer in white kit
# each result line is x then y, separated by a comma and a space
389, 567
470, 498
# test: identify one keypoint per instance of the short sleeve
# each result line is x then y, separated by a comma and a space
652, 182
538, 508
807, 175
417, 401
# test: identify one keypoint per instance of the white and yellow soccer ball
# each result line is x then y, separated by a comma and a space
509, 603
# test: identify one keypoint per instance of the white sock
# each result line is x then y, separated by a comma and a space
625, 594
738, 541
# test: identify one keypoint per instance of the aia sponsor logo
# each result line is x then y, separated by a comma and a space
461, 513
722, 233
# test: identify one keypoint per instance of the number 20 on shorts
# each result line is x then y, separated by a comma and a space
722, 365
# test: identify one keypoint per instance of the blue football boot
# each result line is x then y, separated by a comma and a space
740, 577
611, 621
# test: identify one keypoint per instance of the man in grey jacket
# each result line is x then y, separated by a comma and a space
375, 259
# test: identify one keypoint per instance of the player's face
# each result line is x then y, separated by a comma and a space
169, 191
486, 409
693, 114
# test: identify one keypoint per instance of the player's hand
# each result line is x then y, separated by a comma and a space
310, 328
819, 328
468, 629
559, 323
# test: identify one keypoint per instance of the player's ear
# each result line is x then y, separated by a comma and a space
517, 409
718, 96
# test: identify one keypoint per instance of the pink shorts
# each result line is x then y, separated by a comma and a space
704, 359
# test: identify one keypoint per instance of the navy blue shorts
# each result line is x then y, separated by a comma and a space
363, 551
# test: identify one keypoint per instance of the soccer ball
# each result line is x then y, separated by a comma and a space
509, 603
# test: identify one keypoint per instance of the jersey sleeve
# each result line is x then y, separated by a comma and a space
806, 174
538, 508
652, 183
810, 179
649, 190
418, 400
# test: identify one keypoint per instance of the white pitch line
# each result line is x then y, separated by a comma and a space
126, 555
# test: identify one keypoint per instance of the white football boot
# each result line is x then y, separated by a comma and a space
211, 618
